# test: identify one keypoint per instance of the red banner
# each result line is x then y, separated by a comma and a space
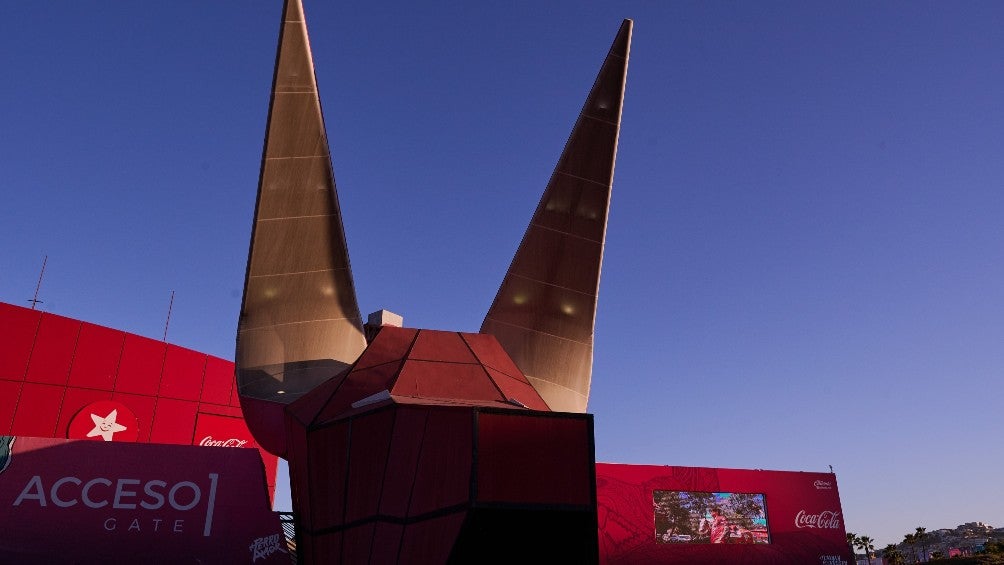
94, 501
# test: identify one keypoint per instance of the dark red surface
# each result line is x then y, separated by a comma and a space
51, 367
52, 350
220, 511
439, 468
17, 333
96, 357
626, 516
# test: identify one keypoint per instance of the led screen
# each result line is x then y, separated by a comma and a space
709, 517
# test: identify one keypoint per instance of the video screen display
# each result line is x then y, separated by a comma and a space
709, 517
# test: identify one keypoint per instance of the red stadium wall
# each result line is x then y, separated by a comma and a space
804, 519
55, 372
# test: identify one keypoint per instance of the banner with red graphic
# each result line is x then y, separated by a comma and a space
80, 501
659, 514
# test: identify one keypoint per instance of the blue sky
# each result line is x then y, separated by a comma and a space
805, 248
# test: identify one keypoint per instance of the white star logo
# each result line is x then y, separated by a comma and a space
106, 426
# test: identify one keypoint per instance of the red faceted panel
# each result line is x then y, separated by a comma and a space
431, 345
327, 455
390, 344
519, 390
17, 334
444, 467
219, 381
37, 410
73, 401
53, 352
358, 543
320, 548
183, 371
535, 459
490, 354
10, 391
96, 358
143, 408
386, 543
371, 435
430, 541
402, 463
141, 366
174, 421
358, 385
426, 379
232, 411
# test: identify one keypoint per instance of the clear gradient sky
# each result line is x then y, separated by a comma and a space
805, 250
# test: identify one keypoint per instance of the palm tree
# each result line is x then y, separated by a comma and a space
910, 540
892, 554
921, 536
865, 543
852, 540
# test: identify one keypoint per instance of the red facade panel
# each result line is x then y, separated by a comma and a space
143, 407
73, 400
519, 389
141, 365
405, 448
96, 358
442, 346
430, 541
37, 410
367, 462
391, 343
444, 468
358, 544
535, 459
17, 334
488, 351
427, 379
219, 382
328, 464
174, 421
10, 392
183, 372
53, 351
386, 543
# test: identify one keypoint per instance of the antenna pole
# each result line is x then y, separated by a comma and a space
169, 306
34, 301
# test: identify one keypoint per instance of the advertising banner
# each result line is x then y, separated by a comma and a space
659, 514
79, 501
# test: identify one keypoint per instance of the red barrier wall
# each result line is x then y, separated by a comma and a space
55, 372
804, 520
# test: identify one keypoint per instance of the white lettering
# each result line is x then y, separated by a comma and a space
261, 548
121, 493
156, 524
85, 493
208, 441
178, 524
158, 497
827, 519
134, 525
39, 495
54, 492
196, 495
110, 524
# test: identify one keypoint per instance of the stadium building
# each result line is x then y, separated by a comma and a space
405, 445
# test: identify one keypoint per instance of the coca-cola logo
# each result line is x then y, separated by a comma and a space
822, 485
208, 441
826, 519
